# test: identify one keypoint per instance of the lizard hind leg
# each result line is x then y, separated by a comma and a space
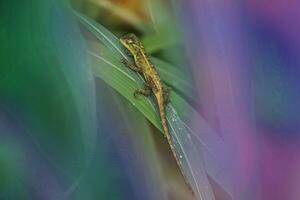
146, 91
166, 91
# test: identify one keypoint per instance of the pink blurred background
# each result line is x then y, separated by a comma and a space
246, 66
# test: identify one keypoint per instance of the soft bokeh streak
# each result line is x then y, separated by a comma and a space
227, 53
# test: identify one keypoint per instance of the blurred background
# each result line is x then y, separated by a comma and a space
70, 129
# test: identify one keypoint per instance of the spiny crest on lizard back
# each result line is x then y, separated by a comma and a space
132, 43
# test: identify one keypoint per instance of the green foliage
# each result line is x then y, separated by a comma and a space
11, 173
107, 63
45, 82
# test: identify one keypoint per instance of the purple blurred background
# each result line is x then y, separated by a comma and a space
246, 66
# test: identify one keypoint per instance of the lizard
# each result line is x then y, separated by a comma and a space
154, 84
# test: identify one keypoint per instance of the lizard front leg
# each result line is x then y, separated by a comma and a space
146, 91
131, 66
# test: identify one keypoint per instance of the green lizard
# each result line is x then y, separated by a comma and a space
144, 66
153, 83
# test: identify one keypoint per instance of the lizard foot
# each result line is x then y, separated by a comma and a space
146, 91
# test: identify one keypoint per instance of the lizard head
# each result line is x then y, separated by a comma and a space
131, 42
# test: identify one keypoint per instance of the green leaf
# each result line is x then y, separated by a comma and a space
165, 32
173, 77
159, 41
109, 68
144, 142
108, 174
103, 35
169, 73
160, 16
115, 76
111, 72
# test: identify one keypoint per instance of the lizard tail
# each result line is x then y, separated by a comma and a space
163, 117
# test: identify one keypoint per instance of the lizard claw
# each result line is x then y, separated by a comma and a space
136, 95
